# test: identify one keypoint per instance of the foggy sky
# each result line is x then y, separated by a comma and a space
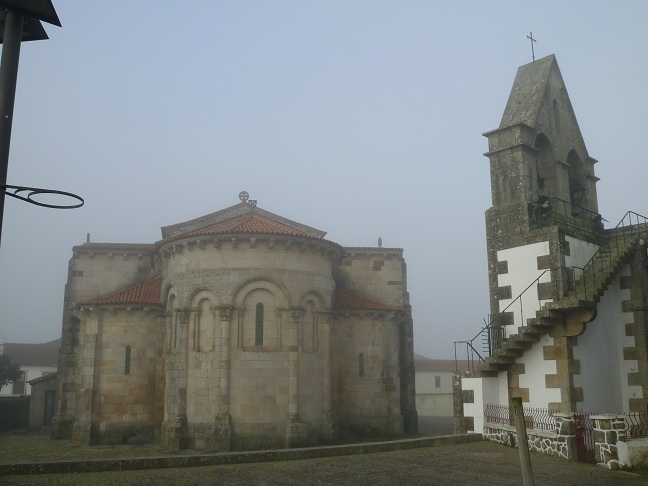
360, 118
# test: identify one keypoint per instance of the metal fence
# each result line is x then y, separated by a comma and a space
542, 419
637, 423
534, 418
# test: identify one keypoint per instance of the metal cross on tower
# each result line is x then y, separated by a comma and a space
530, 36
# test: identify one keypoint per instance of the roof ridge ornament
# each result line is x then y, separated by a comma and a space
245, 197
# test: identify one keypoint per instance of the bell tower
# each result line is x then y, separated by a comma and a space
542, 177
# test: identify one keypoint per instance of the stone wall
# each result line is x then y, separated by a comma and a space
609, 432
559, 442
377, 273
367, 386
610, 439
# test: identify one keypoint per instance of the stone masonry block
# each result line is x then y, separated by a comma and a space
546, 290
517, 369
544, 262
556, 381
520, 393
508, 318
633, 353
553, 352
504, 292
468, 396
502, 267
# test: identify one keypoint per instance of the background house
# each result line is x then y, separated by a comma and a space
35, 360
434, 385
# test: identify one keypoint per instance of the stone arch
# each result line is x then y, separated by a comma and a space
313, 304
577, 185
267, 283
171, 320
315, 296
545, 168
202, 328
259, 303
165, 292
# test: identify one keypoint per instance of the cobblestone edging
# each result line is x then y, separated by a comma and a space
96, 465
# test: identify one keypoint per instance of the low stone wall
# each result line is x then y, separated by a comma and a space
609, 430
560, 442
609, 433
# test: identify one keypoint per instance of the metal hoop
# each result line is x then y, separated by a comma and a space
36, 191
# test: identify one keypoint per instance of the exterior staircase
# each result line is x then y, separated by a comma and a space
584, 288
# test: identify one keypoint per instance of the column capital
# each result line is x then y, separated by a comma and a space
224, 311
183, 314
296, 312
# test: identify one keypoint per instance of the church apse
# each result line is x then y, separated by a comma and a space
232, 338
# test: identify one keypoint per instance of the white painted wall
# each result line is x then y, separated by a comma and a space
580, 252
604, 373
536, 368
491, 390
523, 270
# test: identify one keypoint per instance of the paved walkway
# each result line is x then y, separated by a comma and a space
477, 463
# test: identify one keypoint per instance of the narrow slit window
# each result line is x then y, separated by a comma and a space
258, 331
437, 382
361, 364
127, 361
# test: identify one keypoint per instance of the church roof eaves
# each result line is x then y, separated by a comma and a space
115, 247
347, 300
145, 293
372, 248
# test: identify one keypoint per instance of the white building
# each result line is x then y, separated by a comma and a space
35, 360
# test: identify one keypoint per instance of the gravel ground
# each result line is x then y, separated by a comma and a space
479, 463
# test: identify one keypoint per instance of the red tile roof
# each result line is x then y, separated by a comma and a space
48, 376
146, 293
245, 224
345, 299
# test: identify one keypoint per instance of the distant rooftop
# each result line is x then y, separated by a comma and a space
27, 354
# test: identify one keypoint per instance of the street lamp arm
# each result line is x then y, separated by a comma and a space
14, 191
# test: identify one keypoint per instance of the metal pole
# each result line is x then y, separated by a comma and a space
8, 78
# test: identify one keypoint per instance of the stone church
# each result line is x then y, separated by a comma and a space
237, 330
568, 296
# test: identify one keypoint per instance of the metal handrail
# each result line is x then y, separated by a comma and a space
619, 235
556, 201
619, 230
488, 327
